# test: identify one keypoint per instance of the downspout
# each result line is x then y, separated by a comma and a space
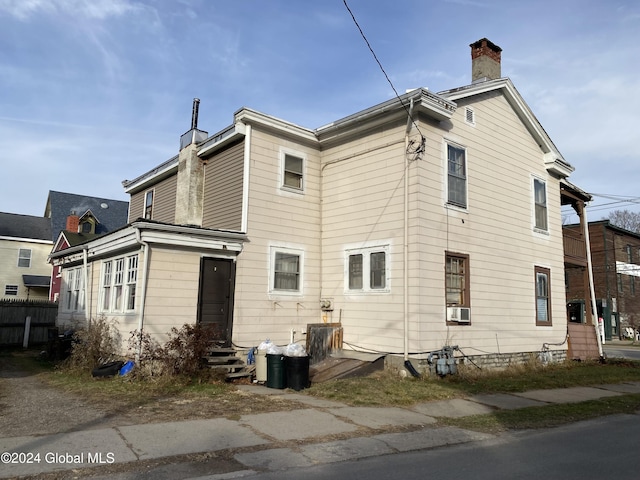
144, 251
406, 236
87, 290
594, 304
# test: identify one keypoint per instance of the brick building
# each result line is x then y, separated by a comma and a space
615, 254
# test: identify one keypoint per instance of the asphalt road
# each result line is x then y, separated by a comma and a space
604, 448
623, 351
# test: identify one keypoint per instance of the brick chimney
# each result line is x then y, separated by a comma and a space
485, 60
73, 222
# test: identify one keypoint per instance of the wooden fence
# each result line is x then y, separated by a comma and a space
13, 316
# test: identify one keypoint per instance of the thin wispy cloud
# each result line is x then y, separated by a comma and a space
103, 88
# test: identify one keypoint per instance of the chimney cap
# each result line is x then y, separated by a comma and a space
486, 42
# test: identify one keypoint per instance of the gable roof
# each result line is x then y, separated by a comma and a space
68, 239
112, 214
25, 227
554, 160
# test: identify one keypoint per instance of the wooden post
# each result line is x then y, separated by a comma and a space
27, 329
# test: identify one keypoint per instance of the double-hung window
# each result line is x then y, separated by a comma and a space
293, 171
119, 281
457, 280
543, 296
456, 176
24, 257
148, 205
286, 271
74, 291
367, 270
540, 205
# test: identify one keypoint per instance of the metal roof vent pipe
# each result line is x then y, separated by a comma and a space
193, 135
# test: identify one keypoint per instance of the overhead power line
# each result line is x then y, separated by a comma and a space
364, 37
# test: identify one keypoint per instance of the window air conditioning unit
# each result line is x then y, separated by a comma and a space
459, 314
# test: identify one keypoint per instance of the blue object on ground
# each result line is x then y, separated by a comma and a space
126, 368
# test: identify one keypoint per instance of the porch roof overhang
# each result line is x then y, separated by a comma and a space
36, 281
143, 232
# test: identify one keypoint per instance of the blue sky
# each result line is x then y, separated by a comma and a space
93, 92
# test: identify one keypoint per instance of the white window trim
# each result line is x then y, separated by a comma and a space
151, 191
445, 166
535, 228
272, 264
25, 258
365, 251
75, 290
125, 286
294, 153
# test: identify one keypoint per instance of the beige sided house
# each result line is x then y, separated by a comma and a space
422, 222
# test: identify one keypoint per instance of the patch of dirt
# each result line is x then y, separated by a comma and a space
31, 406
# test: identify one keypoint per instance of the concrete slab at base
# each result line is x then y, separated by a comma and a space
567, 395
274, 459
452, 408
65, 451
351, 449
157, 440
297, 424
379, 417
430, 438
505, 401
628, 387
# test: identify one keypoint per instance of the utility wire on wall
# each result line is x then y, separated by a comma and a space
414, 150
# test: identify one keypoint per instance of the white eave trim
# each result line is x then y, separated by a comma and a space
553, 159
152, 233
167, 169
27, 240
228, 136
282, 127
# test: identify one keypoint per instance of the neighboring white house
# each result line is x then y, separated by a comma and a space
424, 221
25, 243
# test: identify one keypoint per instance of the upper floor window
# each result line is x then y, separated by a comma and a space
543, 296
148, 204
540, 204
286, 270
293, 171
456, 176
629, 254
24, 257
367, 269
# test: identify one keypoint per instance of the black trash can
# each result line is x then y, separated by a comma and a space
275, 371
297, 369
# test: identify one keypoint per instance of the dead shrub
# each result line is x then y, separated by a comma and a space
181, 355
93, 345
